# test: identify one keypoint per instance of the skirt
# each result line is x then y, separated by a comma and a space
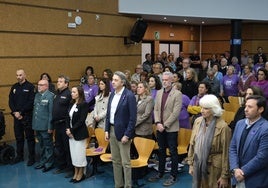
78, 152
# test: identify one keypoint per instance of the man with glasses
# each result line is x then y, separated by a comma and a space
42, 116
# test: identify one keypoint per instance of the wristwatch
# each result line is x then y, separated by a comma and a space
233, 171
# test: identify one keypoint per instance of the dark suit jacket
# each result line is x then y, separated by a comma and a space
125, 115
254, 158
79, 128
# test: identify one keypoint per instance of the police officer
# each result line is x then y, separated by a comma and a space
59, 114
21, 99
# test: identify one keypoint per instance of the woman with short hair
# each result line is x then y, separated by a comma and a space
208, 152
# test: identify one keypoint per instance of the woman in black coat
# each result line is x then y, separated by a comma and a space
77, 132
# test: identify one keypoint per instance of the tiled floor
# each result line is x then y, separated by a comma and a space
19, 175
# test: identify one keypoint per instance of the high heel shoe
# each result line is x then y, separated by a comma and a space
72, 180
82, 178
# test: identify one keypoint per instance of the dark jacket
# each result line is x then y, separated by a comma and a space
79, 128
125, 116
21, 98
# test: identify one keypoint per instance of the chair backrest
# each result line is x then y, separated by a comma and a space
227, 106
91, 133
100, 135
144, 147
228, 116
235, 103
184, 136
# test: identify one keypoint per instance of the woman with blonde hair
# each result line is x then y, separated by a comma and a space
209, 144
145, 106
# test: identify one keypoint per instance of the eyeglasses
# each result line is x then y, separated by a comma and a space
41, 84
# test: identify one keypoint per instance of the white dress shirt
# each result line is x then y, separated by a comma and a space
114, 104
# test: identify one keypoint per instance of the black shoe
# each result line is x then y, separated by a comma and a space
155, 177
77, 181
46, 169
17, 160
30, 162
40, 166
72, 180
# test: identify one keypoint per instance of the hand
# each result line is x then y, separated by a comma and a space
107, 137
124, 139
97, 119
49, 131
68, 132
191, 170
222, 182
160, 127
17, 115
239, 175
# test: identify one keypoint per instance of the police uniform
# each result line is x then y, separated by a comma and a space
21, 98
59, 114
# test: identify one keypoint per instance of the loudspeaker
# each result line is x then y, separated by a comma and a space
138, 30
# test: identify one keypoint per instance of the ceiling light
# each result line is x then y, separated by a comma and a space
203, 22
185, 20
165, 18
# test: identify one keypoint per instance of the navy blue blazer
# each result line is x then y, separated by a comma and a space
125, 115
79, 128
254, 158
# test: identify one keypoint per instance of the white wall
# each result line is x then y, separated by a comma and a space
226, 9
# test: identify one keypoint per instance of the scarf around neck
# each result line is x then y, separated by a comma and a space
202, 148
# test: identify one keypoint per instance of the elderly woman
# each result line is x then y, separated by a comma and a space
230, 83
208, 151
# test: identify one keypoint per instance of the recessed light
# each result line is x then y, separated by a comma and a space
185, 20
165, 18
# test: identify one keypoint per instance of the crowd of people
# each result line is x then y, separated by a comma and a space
166, 93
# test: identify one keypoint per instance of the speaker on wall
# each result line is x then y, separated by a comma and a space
138, 30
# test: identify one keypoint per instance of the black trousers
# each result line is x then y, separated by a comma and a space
168, 140
22, 129
62, 149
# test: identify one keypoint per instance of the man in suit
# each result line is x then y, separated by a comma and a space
248, 152
119, 128
42, 116
167, 108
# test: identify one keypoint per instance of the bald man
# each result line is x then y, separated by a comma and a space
21, 98
42, 116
